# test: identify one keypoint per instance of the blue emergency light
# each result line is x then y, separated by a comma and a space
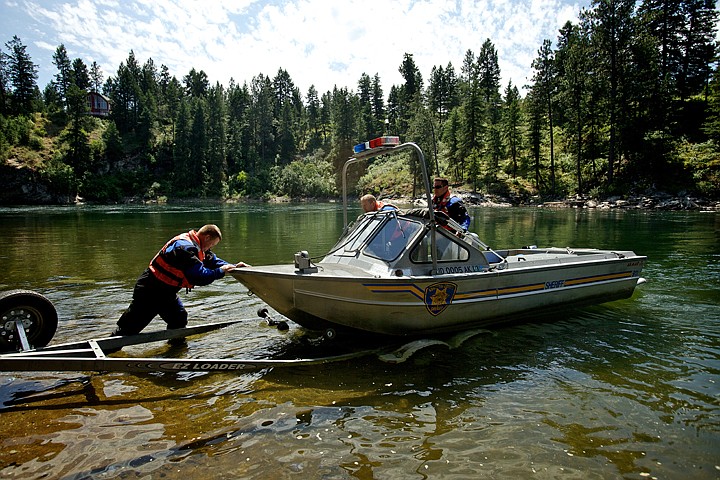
380, 142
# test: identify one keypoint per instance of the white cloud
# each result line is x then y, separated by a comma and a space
317, 42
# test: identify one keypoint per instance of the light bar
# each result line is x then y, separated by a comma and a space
361, 147
384, 142
377, 143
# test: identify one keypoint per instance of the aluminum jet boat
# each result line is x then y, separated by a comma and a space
416, 272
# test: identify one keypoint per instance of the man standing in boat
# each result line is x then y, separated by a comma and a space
371, 204
449, 204
185, 261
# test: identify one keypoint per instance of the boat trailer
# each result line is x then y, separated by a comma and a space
29, 321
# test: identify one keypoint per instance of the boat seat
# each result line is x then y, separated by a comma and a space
492, 257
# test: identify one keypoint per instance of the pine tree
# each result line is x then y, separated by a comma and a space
196, 83
572, 61
611, 23
78, 155
378, 105
665, 20
489, 84
239, 134
544, 88
124, 92
183, 180
410, 92
113, 144
64, 77
535, 106
198, 167
366, 121
96, 77
313, 119
262, 119
452, 134
442, 91
22, 73
4, 84
712, 124
81, 76
286, 115
512, 121
394, 110
149, 93
343, 118
472, 115
700, 47
217, 131
325, 117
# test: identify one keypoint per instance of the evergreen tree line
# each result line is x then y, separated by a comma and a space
629, 98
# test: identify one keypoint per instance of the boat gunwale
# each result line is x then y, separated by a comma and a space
272, 270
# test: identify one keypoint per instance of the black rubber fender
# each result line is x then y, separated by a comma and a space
37, 313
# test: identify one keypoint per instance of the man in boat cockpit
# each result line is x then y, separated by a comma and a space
371, 204
449, 204
185, 261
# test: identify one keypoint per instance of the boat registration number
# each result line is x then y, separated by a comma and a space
459, 269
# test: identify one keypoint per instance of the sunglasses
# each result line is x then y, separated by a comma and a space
438, 186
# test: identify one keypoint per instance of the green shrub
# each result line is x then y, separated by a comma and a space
703, 160
16, 130
308, 177
387, 176
59, 176
238, 183
36, 143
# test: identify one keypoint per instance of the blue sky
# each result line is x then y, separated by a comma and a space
319, 42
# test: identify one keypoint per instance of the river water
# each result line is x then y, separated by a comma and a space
629, 389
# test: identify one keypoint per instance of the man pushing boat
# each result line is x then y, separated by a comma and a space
185, 261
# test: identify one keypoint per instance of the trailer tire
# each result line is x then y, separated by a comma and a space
37, 314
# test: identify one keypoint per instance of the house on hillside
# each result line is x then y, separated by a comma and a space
99, 104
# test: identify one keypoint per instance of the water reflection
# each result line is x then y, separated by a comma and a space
627, 389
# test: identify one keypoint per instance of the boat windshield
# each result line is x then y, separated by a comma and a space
390, 241
447, 250
358, 234
362, 233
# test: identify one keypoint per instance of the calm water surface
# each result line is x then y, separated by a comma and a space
630, 389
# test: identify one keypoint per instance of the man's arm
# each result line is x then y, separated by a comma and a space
185, 257
200, 275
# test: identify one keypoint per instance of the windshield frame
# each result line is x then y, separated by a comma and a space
395, 236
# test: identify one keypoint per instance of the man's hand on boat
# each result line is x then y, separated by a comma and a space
230, 266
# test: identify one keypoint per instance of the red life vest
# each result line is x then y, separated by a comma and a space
168, 274
441, 203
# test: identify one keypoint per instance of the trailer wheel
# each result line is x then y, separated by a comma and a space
37, 314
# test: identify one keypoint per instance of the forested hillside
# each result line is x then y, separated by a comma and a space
627, 99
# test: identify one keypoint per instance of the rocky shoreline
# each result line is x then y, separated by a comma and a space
654, 201
27, 190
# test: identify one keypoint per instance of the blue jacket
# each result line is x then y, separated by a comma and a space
454, 208
181, 263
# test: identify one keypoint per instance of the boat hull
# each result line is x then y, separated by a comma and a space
341, 296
